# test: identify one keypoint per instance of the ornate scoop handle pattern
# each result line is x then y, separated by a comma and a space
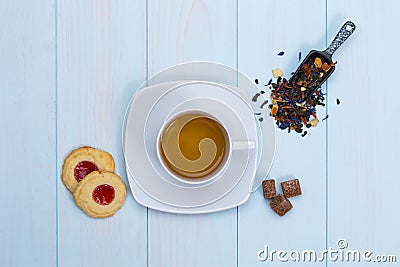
347, 29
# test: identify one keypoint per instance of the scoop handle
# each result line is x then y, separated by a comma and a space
347, 29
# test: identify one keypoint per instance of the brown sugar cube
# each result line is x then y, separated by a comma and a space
269, 189
280, 205
291, 188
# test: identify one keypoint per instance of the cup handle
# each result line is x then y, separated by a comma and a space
243, 145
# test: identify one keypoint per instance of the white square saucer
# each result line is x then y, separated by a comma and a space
240, 191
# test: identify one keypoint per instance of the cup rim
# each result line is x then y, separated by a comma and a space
214, 175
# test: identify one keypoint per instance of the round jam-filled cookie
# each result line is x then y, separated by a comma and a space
100, 194
82, 161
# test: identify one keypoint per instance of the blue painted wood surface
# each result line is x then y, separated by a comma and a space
28, 205
68, 69
296, 157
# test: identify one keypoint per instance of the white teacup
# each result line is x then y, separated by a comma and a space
211, 163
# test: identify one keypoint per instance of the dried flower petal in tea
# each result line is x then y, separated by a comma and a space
269, 83
294, 102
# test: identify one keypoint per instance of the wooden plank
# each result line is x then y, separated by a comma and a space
265, 29
363, 131
27, 134
186, 31
101, 57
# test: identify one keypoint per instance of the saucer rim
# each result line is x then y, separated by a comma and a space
246, 169
222, 74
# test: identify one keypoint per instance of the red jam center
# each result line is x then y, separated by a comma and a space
103, 194
83, 168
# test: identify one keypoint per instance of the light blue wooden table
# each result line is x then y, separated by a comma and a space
69, 68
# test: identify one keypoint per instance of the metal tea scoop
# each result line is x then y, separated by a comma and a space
326, 56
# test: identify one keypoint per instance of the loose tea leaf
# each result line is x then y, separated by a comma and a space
264, 103
254, 99
294, 102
